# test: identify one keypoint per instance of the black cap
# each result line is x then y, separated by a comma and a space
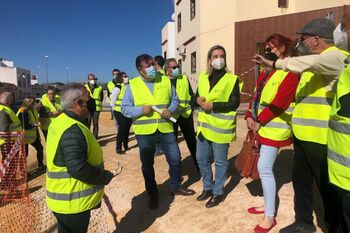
319, 27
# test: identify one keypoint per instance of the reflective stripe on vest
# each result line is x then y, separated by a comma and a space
339, 136
96, 96
65, 194
183, 92
278, 129
217, 127
145, 125
314, 98
49, 107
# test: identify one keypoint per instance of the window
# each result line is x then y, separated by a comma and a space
179, 22
282, 3
192, 9
193, 62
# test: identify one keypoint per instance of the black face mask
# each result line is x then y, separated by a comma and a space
269, 55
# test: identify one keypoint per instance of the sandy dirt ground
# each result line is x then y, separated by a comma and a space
184, 214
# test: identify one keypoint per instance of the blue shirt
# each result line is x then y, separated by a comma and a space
128, 106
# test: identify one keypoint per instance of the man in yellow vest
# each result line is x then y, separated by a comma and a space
111, 85
75, 177
314, 98
184, 113
9, 121
49, 108
142, 95
339, 134
96, 93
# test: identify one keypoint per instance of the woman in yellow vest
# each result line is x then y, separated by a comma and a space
28, 115
269, 114
218, 99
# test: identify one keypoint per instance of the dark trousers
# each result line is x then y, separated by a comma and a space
187, 128
310, 163
124, 125
45, 133
342, 204
39, 150
168, 143
73, 223
94, 119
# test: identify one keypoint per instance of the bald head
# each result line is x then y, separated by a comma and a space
6, 98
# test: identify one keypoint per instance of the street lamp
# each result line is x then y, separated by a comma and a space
67, 68
47, 72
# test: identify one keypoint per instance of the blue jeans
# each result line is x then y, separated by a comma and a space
168, 143
268, 155
206, 152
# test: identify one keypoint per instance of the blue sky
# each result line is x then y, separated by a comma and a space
87, 36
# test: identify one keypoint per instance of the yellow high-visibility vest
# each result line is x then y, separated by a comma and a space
65, 194
31, 134
160, 98
339, 137
110, 86
118, 102
15, 126
217, 127
312, 107
183, 92
279, 128
96, 96
46, 121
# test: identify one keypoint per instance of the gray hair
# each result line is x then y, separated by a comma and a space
70, 93
168, 61
6, 97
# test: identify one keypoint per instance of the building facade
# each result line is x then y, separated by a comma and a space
240, 27
17, 76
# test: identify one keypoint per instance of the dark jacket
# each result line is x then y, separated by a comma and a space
72, 153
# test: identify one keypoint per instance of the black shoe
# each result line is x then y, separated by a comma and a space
183, 192
119, 151
214, 201
42, 168
153, 202
296, 227
126, 148
205, 195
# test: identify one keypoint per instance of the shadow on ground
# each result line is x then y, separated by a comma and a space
139, 211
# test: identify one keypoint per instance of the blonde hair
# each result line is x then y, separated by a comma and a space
215, 47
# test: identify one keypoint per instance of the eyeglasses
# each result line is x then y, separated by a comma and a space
174, 67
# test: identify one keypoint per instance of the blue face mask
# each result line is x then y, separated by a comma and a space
151, 72
176, 73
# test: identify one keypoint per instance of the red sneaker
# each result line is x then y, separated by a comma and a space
253, 210
259, 229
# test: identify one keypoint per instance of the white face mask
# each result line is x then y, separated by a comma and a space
340, 38
218, 63
92, 82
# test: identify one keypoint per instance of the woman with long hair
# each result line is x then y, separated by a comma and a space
29, 116
218, 98
269, 115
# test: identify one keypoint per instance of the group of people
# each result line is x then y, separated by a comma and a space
301, 100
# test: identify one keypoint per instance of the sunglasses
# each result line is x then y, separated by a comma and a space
174, 67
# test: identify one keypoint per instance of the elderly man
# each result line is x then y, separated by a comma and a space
150, 127
9, 121
49, 108
314, 99
75, 174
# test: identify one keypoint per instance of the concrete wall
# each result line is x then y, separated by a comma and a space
168, 40
17, 76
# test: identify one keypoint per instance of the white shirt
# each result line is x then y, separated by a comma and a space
114, 96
